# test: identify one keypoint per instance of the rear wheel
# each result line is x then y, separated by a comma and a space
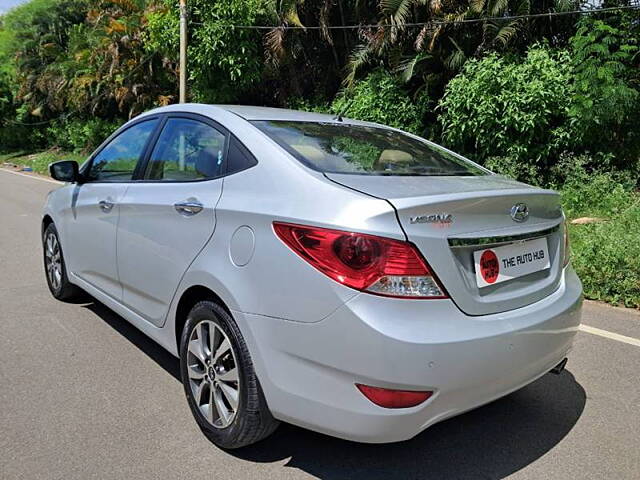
55, 268
219, 380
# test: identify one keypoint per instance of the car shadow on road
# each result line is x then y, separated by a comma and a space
490, 442
154, 351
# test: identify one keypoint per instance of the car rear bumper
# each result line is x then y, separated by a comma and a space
308, 371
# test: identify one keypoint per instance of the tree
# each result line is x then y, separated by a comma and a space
606, 109
511, 108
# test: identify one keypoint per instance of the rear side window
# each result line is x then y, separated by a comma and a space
117, 161
238, 157
186, 150
363, 150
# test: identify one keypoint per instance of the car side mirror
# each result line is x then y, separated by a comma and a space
65, 171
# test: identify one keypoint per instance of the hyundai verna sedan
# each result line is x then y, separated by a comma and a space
339, 275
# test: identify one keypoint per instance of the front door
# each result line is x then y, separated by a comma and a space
95, 208
168, 216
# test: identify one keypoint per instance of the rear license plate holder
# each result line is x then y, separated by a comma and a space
501, 264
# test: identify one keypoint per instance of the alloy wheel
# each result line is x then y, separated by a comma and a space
213, 374
53, 260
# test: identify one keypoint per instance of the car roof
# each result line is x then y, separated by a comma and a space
252, 113
249, 112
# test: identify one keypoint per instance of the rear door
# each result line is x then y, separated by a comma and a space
90, 229
168, 215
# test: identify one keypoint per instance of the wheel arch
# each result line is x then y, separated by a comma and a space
188, 299
46, 221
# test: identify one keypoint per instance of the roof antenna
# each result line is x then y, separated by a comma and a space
343, 110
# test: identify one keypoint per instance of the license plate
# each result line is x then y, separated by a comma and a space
501, 264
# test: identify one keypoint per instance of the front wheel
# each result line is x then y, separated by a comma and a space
219, 380
55, 268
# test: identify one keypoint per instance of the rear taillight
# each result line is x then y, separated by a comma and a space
383, 397
365, 262
567, 246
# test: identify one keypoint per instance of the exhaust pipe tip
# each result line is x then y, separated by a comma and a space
557, 370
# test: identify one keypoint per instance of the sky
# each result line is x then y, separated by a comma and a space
8, 4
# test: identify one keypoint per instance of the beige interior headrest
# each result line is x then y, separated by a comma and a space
310, 152
394, 156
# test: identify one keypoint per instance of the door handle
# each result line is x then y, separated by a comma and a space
106, 205
188, 208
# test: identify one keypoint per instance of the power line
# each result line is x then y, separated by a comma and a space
434, 23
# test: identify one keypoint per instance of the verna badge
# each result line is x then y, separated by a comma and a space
519, 212
439, 218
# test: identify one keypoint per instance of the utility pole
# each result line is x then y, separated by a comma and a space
183, 51
183, 75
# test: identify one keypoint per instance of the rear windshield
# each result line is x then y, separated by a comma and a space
363, 150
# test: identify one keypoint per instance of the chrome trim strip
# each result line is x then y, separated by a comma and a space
496, 241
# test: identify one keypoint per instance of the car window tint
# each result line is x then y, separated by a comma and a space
364, 150
186, 150
239, 158
117, 161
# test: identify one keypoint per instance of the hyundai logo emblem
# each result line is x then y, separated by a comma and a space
519, 212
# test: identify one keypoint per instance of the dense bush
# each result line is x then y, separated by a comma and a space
519, 116
596, 193
607, 257
380, 98
223, 62
606, 103
606, 254
516, 109
81, 135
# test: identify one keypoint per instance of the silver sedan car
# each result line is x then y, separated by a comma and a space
339, 275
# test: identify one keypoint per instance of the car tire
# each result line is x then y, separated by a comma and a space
241, 415
55, 268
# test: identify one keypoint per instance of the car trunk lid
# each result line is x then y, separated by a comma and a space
450, 218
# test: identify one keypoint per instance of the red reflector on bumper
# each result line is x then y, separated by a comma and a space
386, 398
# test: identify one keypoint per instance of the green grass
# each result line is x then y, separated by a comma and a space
606, 255
40, 161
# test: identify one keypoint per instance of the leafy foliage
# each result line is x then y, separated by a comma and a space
223, 62
519, 115
606, 102
517, 109
87, 57
606, 255
379, 98
594, 193
431, 55
81, 136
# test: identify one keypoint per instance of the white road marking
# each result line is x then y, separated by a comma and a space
36, 177
611, 335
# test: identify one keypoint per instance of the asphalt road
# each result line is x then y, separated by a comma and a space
85, 395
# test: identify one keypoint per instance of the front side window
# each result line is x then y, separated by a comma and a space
363, 150
117, 161
186, 150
